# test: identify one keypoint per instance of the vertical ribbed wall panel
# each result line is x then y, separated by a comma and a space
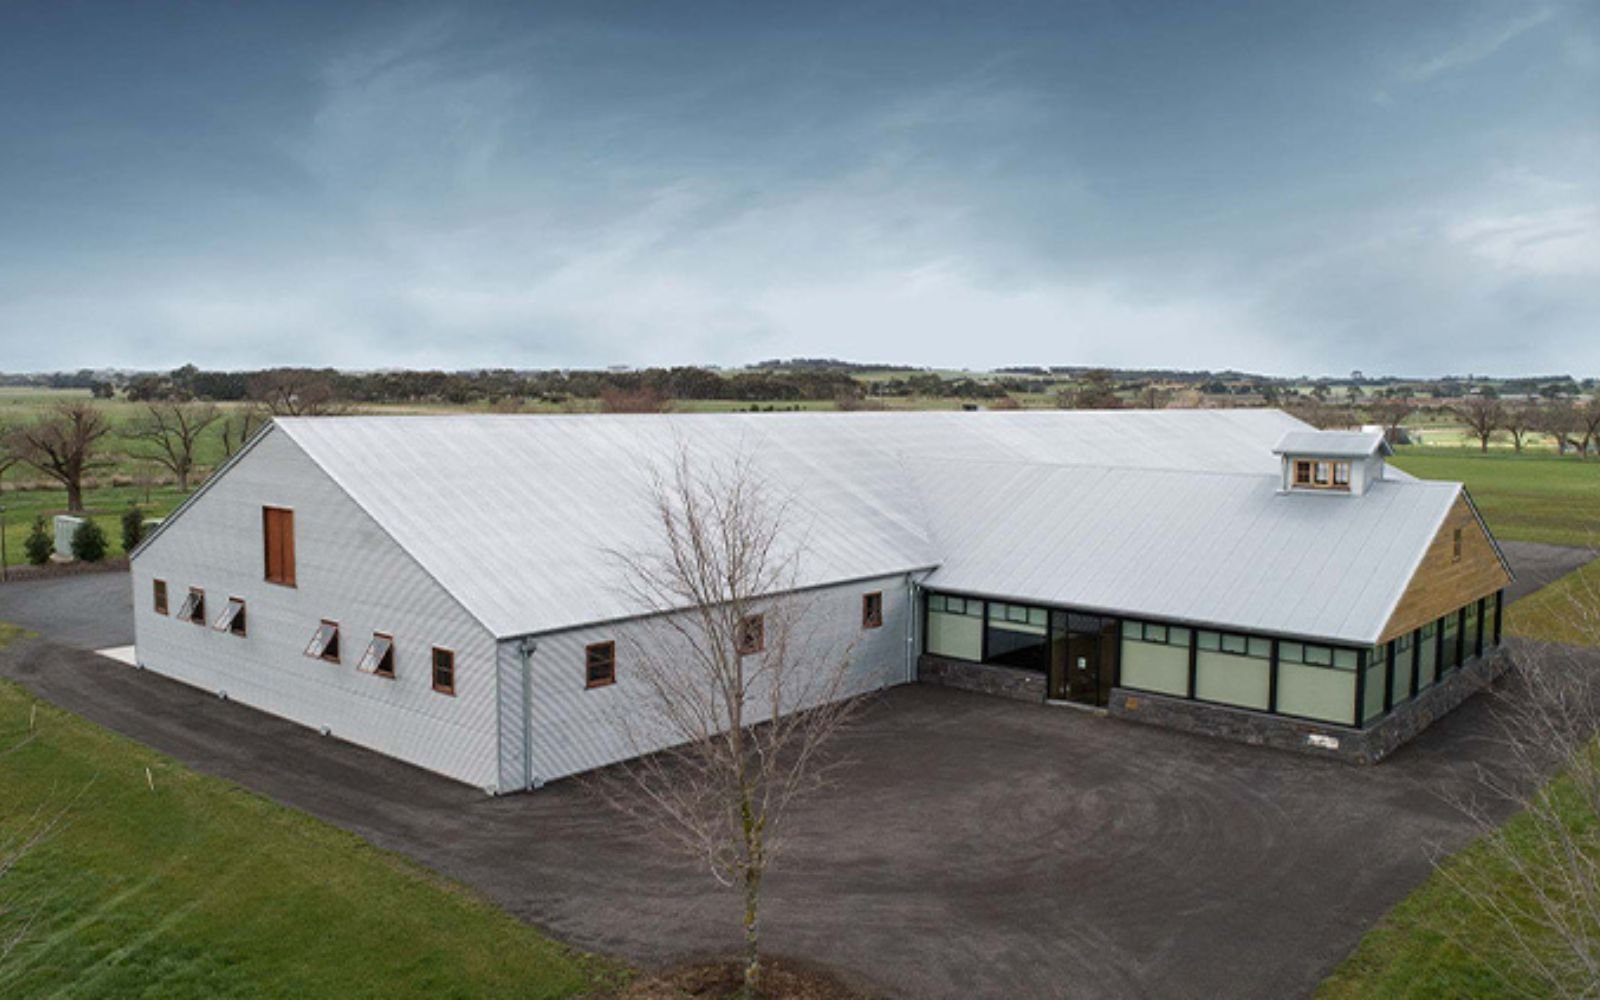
348, 570
574, 729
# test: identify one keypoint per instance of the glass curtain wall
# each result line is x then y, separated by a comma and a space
1233, 669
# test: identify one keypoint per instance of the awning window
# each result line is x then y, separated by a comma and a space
232, 617
379, 657
325, 643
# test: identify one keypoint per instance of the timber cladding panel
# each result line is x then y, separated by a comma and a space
1444, 581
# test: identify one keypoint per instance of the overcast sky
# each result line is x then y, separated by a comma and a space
1280, 187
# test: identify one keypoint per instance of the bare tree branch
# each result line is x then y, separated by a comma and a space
174, 429
739, 689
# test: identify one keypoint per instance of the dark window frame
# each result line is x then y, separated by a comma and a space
159, 596
240, 626
433, 664
602, 655
387, 657
198, 616
751, 626
335, 645
872, 609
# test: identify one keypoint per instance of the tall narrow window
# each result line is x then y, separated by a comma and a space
1302, 473
1341, 473
600, 664
872, 610
378, 660
1324, 473
232, 617
193, 608
444, 671
277, 530
161, 597
324, 643
1455, 551
751, 636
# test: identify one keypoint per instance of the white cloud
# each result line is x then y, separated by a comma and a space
1479, 45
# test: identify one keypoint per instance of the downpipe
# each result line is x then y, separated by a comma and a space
526, 647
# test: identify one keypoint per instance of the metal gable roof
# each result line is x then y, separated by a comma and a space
1333, 444
1164, 513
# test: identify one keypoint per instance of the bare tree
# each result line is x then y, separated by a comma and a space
1520, 420
1537, 876
641, 400
62, 445
745, 706
174, 430
1483, 415
1559, 420
296, 392
1588, 415
239, 427
1152, 397
1390, 412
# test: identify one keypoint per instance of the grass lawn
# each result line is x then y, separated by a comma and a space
104, 504
1531, 497
181, 885
1437, 942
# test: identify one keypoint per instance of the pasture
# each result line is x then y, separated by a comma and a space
158, 881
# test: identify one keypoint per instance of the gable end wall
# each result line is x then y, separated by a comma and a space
1443, 583
347, 569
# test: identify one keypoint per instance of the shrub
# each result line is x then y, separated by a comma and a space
89, 541
39, 545
132, 528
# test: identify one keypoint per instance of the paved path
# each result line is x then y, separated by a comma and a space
1538, 565
980, 847
86, 611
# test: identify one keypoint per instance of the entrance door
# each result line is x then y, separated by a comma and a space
1079, 660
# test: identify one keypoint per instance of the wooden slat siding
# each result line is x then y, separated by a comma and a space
1442, 583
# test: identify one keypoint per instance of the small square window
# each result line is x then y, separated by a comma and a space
872, 610
193, 608
324, 643
751, 636
1235, 644
378, 660
232, 618
160, 587
599, 664
444, 671
1155, 633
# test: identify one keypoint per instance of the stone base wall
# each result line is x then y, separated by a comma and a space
1357, 746
1006, 682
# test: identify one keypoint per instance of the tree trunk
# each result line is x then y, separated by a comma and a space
74, 497
183, 479
752, 934
755, 863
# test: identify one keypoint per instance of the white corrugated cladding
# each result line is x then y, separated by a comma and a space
574, 729
347, 569
1229, 550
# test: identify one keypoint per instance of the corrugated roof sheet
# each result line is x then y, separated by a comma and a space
1165, 513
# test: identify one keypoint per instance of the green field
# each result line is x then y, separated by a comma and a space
1537, 496
160, 882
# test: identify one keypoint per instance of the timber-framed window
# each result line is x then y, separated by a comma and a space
193, 608
599, 664
872, 610
751, 636
160, 593
444, 670
378, 660
232, 618
324, 643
